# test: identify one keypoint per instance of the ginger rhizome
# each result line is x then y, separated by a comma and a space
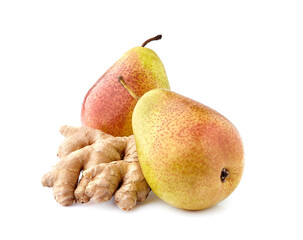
109, 167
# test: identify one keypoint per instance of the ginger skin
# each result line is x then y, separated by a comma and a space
110, 167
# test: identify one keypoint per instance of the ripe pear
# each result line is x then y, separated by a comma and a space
109, 107
190, 155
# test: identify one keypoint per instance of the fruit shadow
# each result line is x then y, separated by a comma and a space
153, 198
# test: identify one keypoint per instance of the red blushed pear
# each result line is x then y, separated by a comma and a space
191, 156
109, 107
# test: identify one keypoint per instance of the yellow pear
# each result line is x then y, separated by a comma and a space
109, 107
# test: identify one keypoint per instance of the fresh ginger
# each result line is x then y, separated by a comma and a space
109, 166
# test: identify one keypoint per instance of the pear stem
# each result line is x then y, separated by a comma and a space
158, 37
131, 92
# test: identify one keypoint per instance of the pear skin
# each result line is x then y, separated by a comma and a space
191, 156
109, 107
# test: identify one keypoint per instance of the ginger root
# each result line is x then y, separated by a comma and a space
109, 166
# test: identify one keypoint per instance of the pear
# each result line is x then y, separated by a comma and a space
190, 155
109, 107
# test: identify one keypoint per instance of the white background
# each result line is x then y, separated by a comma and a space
242, 58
